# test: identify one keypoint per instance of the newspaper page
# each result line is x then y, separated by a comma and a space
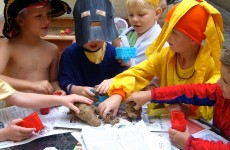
136, 137
68, 120
209, 135
14, 112
162, 124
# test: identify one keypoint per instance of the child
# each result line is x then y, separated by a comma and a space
16, 133
90, 60
27, 62
142, 16
185, 61
217, 95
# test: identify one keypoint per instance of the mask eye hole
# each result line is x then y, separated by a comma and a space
100, 12
85, 13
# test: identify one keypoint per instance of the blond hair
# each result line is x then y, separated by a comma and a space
142, 3
225, 57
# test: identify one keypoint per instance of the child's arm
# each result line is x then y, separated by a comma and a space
196, 94
103, 87
197, 143
14, 132
184, 140
140, 98
53, 73
137, 77
31, 100
42, 87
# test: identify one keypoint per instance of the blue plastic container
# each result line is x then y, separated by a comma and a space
100, 97
125, 53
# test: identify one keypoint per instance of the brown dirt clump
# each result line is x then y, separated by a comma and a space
131, 112
88, 114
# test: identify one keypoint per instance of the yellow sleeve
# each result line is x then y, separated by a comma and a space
136, 77
5, 90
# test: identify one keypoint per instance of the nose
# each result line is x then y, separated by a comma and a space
134, 18
47, 19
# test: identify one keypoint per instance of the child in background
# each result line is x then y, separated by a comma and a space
142, 16
91, 60
217, 95
185, 61
27, 62
16, 133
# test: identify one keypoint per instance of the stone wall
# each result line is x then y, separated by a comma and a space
222, 3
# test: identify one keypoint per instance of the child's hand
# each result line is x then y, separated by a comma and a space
122, 63
103, 87
185, 108
73, 98
60, 93
110, 105
116, 42
179, 138
85, 91
42, 87
140, 98
14, 132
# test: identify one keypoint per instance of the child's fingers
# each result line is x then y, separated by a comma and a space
115, 112
105, 112
26, 131
74, 108
101, 109
16, 121
49, 89
172, 131
84, 100
136, 107
187, 129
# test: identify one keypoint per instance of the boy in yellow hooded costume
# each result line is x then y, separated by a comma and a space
186, 61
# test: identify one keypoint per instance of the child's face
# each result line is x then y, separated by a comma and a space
35, 20
142, 19
225, 81
93, 46
179, 42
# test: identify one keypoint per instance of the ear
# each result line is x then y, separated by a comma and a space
158, 12
19, 20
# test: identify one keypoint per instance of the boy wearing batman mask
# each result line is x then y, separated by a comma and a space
27, 62
90, 60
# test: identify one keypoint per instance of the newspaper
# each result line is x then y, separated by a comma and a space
210, 136
162, 124
14, 112
68, 120
136, 137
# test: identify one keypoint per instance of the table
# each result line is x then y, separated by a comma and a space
67, 142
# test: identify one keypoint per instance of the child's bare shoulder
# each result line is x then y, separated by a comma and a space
49, 46
5, 45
